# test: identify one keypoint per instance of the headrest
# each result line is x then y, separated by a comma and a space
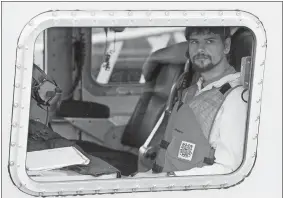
241, 46
174, 54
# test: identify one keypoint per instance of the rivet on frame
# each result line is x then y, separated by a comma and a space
15, 124
115, 190
17, 85
185, 13
148, 13
223, 185
150, 20
254, 154
202, 13
97, 191
260, 82
257, 118
220, 13
60, 193
258, 100
205, 19
238, 13
264, 45
16, 105
18, 66
20, 46
79, 192
188, 187
54, 13
152, 188
40, 194
130, 13
24, 87
11, 163
26, 47
255, 137
171, 186
167, 13
262, 64
31, 23
134, 189
205, 186
13, 144
258, 24
111, 13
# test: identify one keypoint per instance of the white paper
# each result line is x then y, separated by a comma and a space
50, 159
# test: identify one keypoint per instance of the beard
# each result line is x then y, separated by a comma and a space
202, 63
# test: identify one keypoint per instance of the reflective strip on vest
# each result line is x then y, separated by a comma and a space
188, 131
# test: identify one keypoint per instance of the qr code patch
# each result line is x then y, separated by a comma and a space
186, 150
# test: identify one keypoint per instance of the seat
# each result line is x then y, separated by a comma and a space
161, 69
164, 67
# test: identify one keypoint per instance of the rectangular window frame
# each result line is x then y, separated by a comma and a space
22, 91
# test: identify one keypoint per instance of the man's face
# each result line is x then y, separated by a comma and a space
206, 50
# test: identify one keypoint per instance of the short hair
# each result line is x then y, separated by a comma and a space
224, 32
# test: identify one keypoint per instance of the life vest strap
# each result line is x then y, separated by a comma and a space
164, 144
157, 168
225, 88
208, 161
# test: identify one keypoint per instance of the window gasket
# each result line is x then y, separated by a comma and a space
80, 18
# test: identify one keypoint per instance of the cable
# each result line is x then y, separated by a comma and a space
47, 115
79, 55
242, 95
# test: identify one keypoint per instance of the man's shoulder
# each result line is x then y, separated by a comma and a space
237, 96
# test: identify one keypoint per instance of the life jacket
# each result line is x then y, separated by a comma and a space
186, 140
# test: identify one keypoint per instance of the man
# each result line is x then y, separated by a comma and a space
206, 130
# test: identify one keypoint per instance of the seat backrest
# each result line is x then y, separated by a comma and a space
242, 43
162, 68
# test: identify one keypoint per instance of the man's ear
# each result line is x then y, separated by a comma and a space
227, 45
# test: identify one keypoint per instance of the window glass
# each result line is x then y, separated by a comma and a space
118, 58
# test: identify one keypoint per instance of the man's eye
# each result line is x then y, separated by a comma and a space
209, 41
193, 42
